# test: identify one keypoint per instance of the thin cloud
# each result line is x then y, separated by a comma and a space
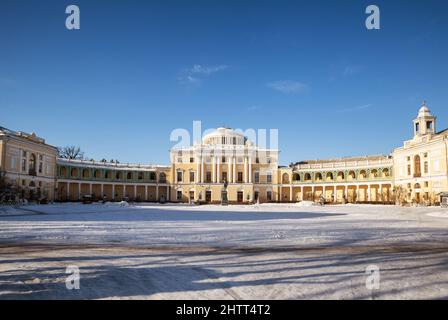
195, 76
201, 69
286, 86
253, 108
357, 108
352, 70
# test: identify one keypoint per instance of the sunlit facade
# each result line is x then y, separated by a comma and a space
225, 164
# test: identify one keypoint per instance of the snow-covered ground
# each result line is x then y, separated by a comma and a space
268, 251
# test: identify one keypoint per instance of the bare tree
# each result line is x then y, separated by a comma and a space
71, 152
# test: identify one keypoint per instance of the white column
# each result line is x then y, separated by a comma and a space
229, 174
102, 191
368, 193
202, 170
301, 194
381, 192
290, 193
335, 191
250, 170
168, 193
198, 169
68, 190
113, 192
90, 188
157, 193
245, 169
234, 170
124, 191
146, 193
214, 169
79, 191
218, 170
312, 193
135, 191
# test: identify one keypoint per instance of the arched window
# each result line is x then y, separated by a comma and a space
152, 176
97, 174
32, 164
74, 172
63, 172
417, 166
351, 175
307, 177
318, 176
329, 176
140, 176
129, 175
119, 175
162, 177
296, 177
285, 178
85, 173
341, 176
362, 174
373, 174
108, 174
385, 172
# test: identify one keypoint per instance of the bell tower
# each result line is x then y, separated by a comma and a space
425, 123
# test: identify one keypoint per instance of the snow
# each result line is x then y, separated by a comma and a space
262, 251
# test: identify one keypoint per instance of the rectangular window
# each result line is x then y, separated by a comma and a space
23, 164
257, 160
40, 167
179, 160
223, 159
240, 177
13, 163
179, 176
269, 195
426, 167
426, 184
191, 160
257, 177
224, 176
208, 176
269, 178
268, 160
24, 153
409, 169
191, 176
179, 195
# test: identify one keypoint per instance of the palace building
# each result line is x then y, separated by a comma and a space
226, 165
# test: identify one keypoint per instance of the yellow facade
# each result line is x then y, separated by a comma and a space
226, 165
29, 164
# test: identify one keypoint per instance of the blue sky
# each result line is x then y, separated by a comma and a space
136, 70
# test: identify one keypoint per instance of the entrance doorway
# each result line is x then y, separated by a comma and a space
239, 196
208, 196
191, 195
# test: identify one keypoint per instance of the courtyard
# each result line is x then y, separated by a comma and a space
266, 251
